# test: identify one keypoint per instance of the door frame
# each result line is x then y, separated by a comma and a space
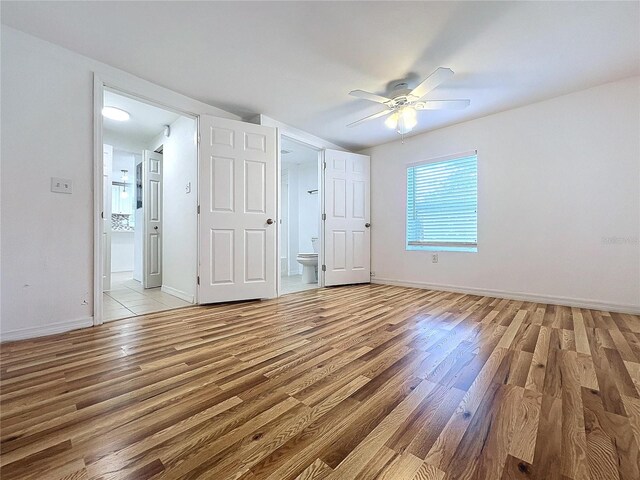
320, 151
99, 86
316, 143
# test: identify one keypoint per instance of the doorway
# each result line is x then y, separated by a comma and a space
149, 231
300, 232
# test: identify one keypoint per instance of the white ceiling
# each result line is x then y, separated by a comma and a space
146, 121
297, 61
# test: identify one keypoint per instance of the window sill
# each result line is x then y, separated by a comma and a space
441, 248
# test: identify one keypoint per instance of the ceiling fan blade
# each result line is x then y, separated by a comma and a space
432, 81
443, 104
369, 96
371, 117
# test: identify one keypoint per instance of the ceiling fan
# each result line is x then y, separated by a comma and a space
404, 103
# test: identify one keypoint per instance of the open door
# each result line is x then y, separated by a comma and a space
152, 208
347, 239
107, 165
237, 227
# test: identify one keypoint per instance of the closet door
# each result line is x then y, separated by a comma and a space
347, 241
237, 219
152, 204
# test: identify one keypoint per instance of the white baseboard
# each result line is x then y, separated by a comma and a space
527, 297
177, 293
43, 330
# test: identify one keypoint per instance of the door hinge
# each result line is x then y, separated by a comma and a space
198, 138
198, 209
102, 215
324, 165
198, 279
324, 216
324, 268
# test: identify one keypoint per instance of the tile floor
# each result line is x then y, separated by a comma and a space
127, 298
293, 283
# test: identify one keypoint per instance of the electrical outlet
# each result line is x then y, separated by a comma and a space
61, 185
434, 258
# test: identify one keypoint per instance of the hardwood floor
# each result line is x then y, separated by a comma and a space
359, 382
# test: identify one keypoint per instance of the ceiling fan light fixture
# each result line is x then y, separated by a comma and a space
401, 110
408, 119
402, 120
392, 121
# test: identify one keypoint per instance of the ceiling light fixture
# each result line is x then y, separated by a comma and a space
402, 120
116, 114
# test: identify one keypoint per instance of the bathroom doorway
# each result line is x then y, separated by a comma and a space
149, 205
300, 239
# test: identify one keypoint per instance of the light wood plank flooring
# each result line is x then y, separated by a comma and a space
356, 382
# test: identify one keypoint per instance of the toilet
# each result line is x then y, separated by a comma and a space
309, 262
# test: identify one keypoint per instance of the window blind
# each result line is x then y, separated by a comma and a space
442, 203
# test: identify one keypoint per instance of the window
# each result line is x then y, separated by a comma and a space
442, 205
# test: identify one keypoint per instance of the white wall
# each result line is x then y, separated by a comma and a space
309, 207
303, 211
179, 218
123, 142
294, 220
47, 131
122, 251
558, 202
122, 243
283, 230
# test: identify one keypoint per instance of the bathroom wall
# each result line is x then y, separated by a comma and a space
122, 253
284, 223
303, 214
294, 221
309, 207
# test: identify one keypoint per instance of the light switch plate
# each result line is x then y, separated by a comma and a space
61, 185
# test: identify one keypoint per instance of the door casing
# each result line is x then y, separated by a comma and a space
162, 99
320, 164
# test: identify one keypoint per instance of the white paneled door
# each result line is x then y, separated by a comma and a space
237, 191
152, 207
347, 245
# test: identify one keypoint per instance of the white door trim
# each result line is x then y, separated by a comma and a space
99, 87
98, 195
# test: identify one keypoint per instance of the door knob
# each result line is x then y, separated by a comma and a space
367, 225
155, 227
269, 221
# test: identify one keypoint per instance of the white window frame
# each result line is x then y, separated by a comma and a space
443, 246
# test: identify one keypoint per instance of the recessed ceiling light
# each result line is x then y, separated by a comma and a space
115, 114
